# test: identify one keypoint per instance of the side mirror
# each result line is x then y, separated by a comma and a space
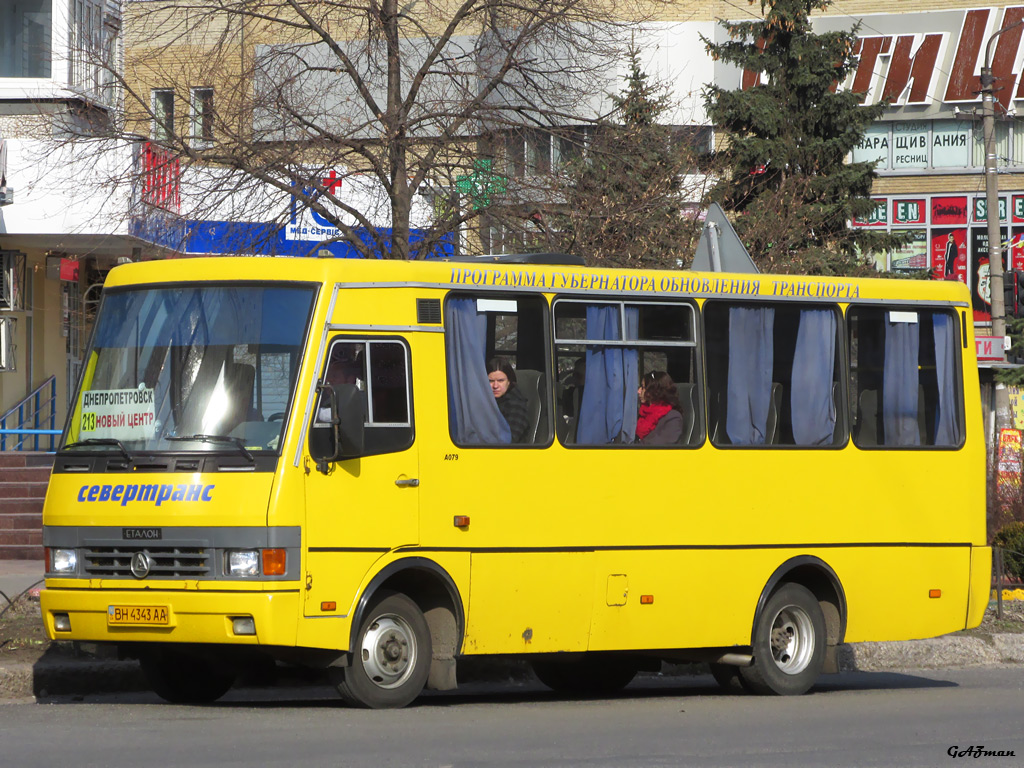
337, 431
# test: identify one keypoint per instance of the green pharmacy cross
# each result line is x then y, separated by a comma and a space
481, 184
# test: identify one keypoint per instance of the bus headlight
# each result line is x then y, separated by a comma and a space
243, 562
63, 561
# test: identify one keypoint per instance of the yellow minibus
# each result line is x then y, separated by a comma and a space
376, 468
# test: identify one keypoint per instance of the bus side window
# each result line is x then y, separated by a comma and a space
774, 374
510, 329
379, 370
905, 377
603, 348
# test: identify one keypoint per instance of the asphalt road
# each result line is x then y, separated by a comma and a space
853, 719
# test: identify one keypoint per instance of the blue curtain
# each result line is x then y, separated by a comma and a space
947, 427
751, 360
900, 382
813, 397
608, 406
474, 414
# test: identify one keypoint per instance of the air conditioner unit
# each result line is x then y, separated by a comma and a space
7, 327
12, 280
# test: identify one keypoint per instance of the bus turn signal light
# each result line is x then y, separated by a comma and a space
328, 606
934, 593
461, 521
646, 599
274, 562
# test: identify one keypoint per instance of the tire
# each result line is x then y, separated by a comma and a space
185, 678
588, 675
391, 655
728, 677
789, 644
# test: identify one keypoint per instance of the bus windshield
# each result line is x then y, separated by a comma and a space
199, 368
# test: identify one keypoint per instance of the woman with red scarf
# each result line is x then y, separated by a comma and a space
660, 421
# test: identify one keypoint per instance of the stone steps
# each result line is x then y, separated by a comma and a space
23, 480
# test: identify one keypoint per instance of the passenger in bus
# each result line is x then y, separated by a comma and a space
573, 392
660, 421
511, 402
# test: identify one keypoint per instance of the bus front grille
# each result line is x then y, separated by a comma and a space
165, 562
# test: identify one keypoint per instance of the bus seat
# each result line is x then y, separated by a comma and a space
239, 379
688, 407
837, 431
529, 384
922, 416
718, 434
866, 431
771, 431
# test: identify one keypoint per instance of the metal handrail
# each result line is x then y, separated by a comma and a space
30, 419
999, 567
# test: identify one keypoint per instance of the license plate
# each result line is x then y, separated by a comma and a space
139, 615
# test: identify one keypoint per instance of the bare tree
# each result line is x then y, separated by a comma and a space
374, 117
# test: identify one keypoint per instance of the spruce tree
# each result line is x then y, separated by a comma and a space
787, 140
625, 197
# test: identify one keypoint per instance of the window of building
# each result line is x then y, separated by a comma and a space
905, 380
92, 48
25, 38
202, 115
603, 350
510, 332
378, 372
163, 114
773, 374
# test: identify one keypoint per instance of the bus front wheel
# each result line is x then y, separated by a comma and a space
391, 656
789, 644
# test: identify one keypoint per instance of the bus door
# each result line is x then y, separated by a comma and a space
358, 509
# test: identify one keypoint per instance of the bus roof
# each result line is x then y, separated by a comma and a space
482, 274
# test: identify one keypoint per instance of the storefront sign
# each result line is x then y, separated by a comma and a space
930, 56
908, 211
980, 209
989, 348
878, 218
1008, 468
949, 210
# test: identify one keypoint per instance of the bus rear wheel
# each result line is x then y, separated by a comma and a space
181, 677
391, 656
591, 675
789, 644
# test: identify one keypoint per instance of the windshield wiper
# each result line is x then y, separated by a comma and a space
235, 441
102, 441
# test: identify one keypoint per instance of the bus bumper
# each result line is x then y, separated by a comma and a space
171, 617
981, 585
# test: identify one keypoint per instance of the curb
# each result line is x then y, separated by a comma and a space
62, 674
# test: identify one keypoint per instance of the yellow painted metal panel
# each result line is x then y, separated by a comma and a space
529, 602
197, 617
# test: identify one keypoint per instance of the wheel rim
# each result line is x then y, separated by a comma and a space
389, 651
792, 640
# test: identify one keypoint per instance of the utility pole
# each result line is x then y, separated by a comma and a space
995, 250
995, 247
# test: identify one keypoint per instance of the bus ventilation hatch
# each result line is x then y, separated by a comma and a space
428, 311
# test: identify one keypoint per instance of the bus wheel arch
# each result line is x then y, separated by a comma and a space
434, 592
799, 622
817, 576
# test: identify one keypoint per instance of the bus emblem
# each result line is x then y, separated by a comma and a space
140, 565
